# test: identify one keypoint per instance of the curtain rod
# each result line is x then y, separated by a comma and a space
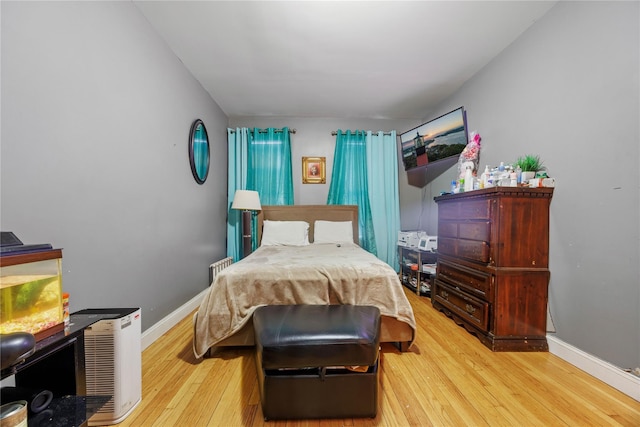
334, 133
266, 130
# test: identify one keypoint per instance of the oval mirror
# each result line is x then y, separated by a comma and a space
199, 151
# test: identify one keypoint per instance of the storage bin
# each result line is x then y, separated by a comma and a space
306, 357
312, 394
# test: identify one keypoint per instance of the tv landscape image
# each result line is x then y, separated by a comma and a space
437, 139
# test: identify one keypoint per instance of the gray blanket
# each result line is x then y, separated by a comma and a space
313, 274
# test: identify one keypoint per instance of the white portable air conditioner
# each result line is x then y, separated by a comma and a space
113, 363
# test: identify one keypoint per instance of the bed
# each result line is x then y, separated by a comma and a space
327, 268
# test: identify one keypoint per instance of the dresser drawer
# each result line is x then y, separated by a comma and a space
474, 250
447, 229
472, 310
473, 230
473, 281
468, 209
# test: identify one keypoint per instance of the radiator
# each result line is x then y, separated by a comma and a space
217, 267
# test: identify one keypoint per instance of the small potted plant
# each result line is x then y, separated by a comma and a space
529, 164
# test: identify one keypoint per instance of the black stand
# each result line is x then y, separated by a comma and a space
246, 233
58, 366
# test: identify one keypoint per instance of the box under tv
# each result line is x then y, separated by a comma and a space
422, 175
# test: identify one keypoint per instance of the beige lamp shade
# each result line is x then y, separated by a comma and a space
246, 200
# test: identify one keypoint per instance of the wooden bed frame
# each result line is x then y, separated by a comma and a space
391, 329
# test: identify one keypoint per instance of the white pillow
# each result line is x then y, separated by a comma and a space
332, 232
285, 233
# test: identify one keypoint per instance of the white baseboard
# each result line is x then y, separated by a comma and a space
617, 378
164, 325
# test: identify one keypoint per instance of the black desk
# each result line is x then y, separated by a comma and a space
58, 365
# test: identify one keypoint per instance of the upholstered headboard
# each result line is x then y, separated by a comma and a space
310, 213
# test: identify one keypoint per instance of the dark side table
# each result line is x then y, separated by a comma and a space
58, 365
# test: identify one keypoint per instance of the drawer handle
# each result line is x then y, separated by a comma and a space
470, 309
444, 294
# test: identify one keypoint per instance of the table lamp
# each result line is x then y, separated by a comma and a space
246, 201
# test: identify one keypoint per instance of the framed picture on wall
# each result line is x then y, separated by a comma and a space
314, 170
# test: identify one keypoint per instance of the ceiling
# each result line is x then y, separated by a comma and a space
347, 59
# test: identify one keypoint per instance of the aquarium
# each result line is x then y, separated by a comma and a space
31, 293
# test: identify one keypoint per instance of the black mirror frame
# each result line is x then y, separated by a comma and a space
199, 177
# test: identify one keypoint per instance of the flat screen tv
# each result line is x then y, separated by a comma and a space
440, 138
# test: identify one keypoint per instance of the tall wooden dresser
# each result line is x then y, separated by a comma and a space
492, 273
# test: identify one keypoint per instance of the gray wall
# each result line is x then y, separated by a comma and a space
96, 112
313, 139
568, 90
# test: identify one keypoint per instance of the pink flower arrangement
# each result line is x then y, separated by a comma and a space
472, 150
470, 156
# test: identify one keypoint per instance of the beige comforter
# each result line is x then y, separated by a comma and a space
313, 274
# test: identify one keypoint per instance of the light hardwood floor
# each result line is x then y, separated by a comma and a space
446, 379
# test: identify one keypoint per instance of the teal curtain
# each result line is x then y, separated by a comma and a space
384, 199
349, 182
238, 149
260, 160
270, 172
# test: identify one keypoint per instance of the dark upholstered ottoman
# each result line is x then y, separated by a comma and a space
302, 355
